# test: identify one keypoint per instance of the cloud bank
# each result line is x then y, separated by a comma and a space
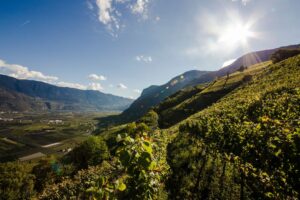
21, 72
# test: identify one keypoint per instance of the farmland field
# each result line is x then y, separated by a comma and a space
26, 134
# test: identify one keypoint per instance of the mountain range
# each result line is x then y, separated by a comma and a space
28, 95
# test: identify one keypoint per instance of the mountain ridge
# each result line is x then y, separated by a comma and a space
148, 99
52, 97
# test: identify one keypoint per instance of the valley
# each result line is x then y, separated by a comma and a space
235, 136
23, 134
149, 100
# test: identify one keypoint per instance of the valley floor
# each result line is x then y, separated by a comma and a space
28, 136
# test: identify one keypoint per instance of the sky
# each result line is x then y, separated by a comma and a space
123, 46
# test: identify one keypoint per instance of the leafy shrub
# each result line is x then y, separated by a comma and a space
91, 152
150, 119
16, 182
133, 174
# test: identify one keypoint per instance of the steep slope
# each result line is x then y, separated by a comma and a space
34, 95
153, 95
13, 101
245, 146
193, 99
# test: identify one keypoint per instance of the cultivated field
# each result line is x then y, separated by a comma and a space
27, 136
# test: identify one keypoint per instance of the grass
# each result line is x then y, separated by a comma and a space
191, 100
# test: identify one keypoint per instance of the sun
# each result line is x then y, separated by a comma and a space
236, 33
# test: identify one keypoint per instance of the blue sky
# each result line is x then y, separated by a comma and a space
123, 46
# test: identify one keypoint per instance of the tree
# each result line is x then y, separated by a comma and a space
150, 119
91, 152
16, 182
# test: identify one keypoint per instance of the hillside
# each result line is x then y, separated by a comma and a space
153, 95
245, 146
27, 95
193, 99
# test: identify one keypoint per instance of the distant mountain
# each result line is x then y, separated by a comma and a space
27, 95
252, 59
153, 95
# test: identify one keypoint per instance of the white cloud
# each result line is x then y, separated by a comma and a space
140, 8
110, 14
228, 62
95, 77
21, 72
137, 91
104, 10
122, 86
142, 58
71, 85
95, 86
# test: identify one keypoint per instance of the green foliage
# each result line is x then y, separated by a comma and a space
244, 147
283, 54
135, 172
130, 128
16, 182
194, 99
49, 171
98, 182
91, 152
243, 143
140, 166
150, 119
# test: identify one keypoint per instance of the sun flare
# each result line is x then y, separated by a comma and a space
236, 34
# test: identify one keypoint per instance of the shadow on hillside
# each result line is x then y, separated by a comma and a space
105, 123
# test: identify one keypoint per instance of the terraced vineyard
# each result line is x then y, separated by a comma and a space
246, 146
237, 137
